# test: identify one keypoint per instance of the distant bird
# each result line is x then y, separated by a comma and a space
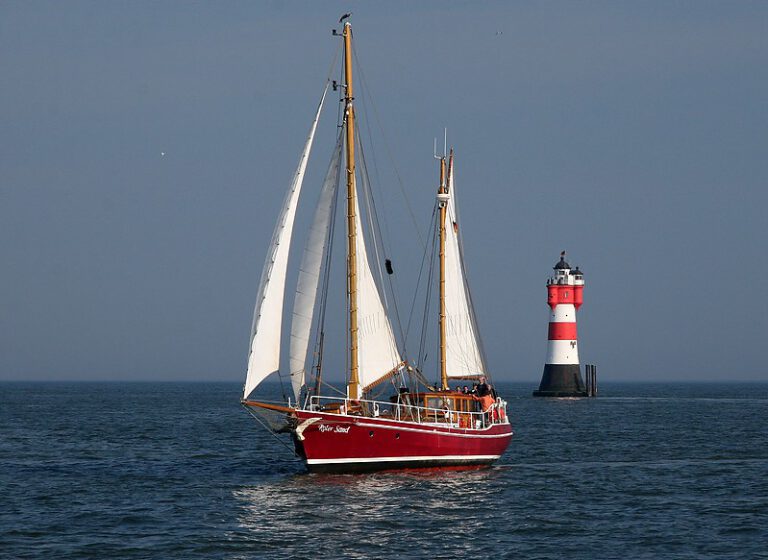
162, 154
345, 16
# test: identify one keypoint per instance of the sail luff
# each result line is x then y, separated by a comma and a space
464, 356
264, 353
309, 273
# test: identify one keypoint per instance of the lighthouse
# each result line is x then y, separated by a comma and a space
562, 374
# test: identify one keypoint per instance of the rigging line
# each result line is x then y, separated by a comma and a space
330, 73
367, 91
375, 227
425, 313
340, 112
271, 431
320, 327
364, 122
418, 282
333, 62
430, 278
384, 239
377, 218
336, 389
282, 386
371, 215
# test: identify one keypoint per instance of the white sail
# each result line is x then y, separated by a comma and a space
309, 273
463, 354
377, 351
264, 355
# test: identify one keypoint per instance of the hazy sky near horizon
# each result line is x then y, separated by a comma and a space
632, 134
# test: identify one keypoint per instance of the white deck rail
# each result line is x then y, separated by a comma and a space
404, 410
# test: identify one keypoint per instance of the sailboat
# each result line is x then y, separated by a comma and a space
421, 425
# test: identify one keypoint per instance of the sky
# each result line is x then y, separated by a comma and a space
145, 149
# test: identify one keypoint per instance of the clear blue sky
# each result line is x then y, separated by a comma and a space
632, 134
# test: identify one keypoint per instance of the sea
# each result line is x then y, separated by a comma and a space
180, 470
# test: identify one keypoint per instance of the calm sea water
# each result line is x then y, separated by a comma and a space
181, 471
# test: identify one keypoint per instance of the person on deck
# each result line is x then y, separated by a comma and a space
484, 392
483, 388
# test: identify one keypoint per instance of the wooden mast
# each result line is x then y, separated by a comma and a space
353, 387
442, 190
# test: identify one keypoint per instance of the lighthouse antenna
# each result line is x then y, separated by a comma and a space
444, 155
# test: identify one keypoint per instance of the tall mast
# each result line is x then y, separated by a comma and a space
443, 190
353, 387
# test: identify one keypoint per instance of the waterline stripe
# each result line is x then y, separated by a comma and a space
406, 458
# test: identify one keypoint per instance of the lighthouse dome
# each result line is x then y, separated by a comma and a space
562, 264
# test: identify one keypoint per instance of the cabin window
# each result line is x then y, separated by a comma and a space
438, 402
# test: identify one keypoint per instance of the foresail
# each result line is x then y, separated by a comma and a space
264, 355
310, 270
463, 353
378, 355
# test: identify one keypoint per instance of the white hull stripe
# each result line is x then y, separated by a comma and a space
433, 432
401, 459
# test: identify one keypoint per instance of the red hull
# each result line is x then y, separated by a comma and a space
342, 443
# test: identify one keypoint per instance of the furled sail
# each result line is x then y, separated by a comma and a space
264, 355
378, 355
463, 352
309, 272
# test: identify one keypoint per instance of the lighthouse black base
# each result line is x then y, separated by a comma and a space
561, 380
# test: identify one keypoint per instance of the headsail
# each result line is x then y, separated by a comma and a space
264, 355
377, 349
309, 271
463, 352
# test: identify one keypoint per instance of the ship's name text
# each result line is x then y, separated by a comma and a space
334, 429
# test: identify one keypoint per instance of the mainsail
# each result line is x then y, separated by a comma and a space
264, 355
377, 350
309, 272
463, 353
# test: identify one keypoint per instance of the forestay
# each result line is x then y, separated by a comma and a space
309, 272
264, 355
463, 354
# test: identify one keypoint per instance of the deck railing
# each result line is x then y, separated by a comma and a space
403, 410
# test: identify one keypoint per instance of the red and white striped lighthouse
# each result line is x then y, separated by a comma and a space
562, 373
